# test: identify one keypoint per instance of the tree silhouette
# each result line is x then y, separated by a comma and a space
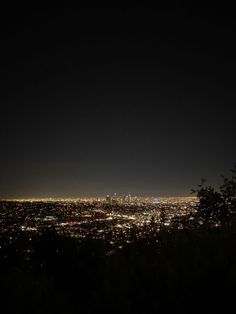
217, 206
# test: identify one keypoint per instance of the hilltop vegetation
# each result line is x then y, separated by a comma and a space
217, 205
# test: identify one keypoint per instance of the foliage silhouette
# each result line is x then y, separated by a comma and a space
217, 206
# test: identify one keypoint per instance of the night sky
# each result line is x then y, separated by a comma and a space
97, 100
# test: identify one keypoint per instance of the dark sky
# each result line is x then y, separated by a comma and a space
96, 100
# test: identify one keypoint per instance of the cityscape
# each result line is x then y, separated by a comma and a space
113, 219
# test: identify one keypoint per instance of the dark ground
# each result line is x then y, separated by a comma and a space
181, 271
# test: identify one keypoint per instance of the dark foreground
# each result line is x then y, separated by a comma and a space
181, 271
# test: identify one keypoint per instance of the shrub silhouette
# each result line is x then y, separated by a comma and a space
217, 206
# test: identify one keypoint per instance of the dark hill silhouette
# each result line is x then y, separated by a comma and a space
180, 270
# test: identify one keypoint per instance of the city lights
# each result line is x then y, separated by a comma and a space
113, 219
